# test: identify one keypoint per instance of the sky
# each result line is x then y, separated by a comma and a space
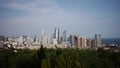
77, 17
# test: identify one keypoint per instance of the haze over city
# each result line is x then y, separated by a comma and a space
84, 17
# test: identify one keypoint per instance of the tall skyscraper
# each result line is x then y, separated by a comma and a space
44, 38
34, 38
93, 44
83, 42
73, 40
89, 43
64, 36
79, 42
98, 40
56, 34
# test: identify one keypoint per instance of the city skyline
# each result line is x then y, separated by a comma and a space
86, 18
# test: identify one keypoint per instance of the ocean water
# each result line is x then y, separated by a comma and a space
111, 41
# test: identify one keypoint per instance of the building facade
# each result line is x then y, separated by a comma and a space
98, 40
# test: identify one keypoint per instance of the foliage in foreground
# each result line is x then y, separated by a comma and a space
59, 58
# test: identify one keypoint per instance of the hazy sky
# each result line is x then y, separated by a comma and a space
83, 17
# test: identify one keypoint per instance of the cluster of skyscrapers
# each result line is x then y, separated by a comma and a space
57, 38
83, 43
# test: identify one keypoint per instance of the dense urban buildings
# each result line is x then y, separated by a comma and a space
57, 39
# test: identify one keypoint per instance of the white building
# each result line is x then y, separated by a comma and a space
55, 41
20, 40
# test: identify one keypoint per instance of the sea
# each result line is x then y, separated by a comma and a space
115, 41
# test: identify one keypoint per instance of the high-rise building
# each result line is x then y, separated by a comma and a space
73, 40
44, 38
98, 40
79, 42
83, 42
93, 44
56, 34
55, 41
64, 36
89, 43
50, 39
34, 38
20, 40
